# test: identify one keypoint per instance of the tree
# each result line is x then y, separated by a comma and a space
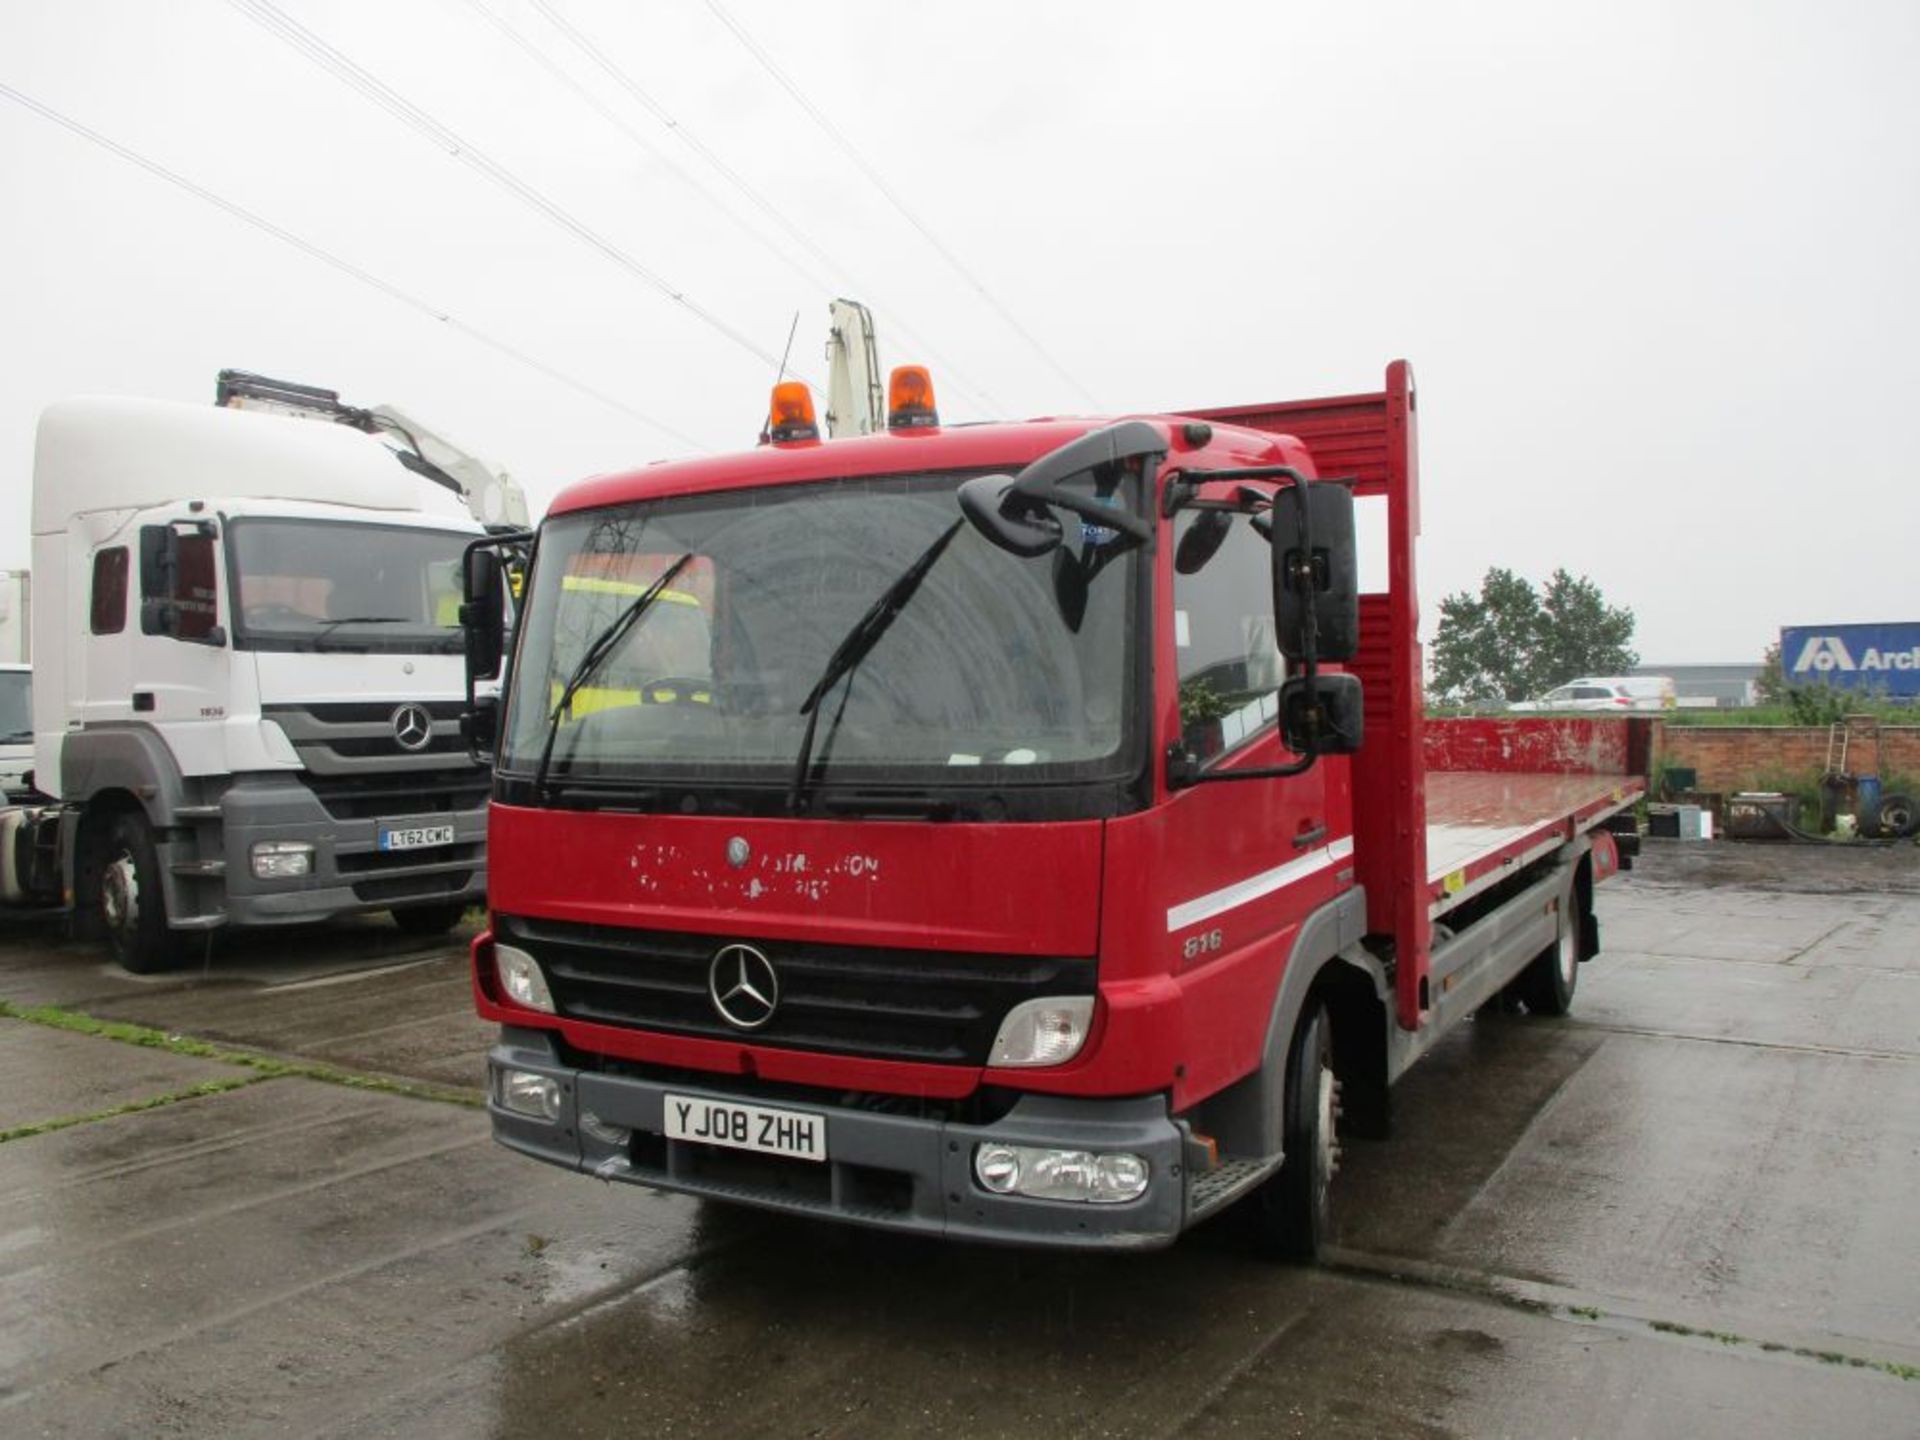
1770, 685
1580, 634
1817, 702
1511, 642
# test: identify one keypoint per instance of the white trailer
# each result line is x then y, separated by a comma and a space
16, 617
16, 732
246, 702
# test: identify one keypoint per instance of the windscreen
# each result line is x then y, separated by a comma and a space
324, 585
16, 707
995, 666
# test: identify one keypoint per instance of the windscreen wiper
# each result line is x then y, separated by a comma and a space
327, 627
595, 655
854, 648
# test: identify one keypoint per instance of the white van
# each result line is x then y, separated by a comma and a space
1606, 692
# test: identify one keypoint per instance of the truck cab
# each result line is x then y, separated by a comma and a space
246, 711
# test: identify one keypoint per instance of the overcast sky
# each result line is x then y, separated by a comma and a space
1657, 265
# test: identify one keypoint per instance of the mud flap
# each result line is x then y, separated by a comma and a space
1589, 935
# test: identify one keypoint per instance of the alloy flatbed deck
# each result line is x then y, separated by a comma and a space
1484, 825
1501, 793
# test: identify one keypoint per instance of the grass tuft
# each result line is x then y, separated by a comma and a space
266, 1067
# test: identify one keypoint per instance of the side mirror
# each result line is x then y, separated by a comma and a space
1015, 512
1018, 525
483, 613
1202, 541
1316, 585
1322, 715
159, 617
159, 563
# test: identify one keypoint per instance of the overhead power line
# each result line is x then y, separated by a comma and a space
344, 266
879, 182
606, 112
611, 68
284, 27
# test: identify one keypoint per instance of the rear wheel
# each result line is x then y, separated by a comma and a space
1548, 982
132, 905
430, 919
1293, 1211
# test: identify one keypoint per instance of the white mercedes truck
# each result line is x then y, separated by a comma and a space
248, 678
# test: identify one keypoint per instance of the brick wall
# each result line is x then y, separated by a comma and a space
1738, 757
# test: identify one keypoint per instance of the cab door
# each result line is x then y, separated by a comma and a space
1233, 850
179, 678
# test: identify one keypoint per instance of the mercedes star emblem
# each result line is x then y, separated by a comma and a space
744, 986
738, 851
412, 727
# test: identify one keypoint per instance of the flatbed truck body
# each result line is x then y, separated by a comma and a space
838, 997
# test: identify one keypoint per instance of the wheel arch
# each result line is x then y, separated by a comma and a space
103, 763
1327, 966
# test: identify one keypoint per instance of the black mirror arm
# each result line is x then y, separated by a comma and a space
1183, 770
1110, 517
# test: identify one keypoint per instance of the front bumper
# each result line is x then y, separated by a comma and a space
892, 1172
350, 873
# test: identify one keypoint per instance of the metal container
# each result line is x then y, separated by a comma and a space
1761, 815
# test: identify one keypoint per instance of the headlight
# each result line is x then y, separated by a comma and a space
1043, 1032
1099, 1179
282, 859
520, 978
525, 1093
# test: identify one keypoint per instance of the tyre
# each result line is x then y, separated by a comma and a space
1548, 982
131, 901
430, 919
1292, 1212
1896, 817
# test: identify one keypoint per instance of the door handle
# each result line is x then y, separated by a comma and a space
1311, 836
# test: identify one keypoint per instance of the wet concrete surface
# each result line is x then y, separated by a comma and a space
1623, 1223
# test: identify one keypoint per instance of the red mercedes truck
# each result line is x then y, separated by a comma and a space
1018, 832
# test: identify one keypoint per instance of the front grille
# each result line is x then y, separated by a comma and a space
400, 793
412, 887
833, 1188
380, 746
942, 1007
362, 712
358, 737
365, 862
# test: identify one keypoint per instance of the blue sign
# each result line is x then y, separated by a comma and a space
1881, 659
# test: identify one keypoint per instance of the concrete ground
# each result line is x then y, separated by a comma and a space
1687, 1209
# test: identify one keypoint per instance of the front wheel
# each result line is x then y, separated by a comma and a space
1293, 1210
132, 906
